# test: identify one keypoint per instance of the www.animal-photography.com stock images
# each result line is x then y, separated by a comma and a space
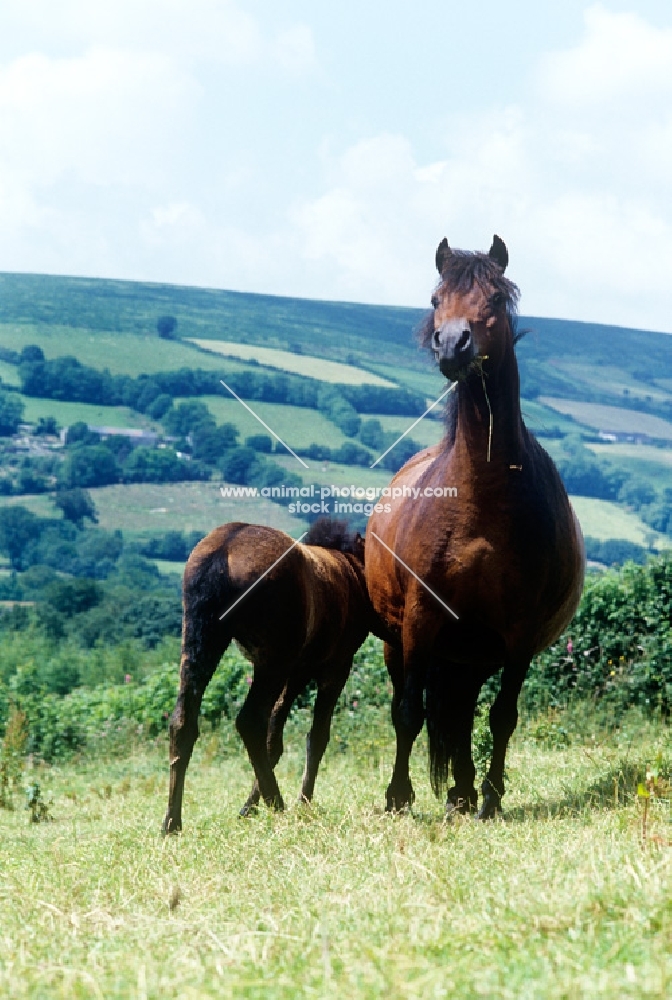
335, 500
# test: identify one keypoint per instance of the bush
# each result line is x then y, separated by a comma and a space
11, 411
618, 648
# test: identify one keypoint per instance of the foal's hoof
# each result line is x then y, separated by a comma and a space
249, 809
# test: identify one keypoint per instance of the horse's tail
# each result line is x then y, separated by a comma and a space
207, 594
439, 732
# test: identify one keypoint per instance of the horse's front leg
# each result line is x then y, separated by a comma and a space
460, 710
503, 721
408, 716
318, 737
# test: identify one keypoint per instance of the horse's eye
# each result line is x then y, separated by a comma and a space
435, 302
496, 300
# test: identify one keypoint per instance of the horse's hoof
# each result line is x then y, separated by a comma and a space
399, 804
489, 809
170, 826
249, 809
460, 807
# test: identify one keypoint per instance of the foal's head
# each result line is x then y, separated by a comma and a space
473, 309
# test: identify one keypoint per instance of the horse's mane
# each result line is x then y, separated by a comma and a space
461, 271
331, 534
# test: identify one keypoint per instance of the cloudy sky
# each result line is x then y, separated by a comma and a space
323, 149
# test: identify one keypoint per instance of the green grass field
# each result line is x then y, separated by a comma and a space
612, 418
122, 353
146, 508
67, 414
300, 364
560, 898
603, 519
612, 379
297, 426
9, 374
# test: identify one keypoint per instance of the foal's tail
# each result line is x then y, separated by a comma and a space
439, 730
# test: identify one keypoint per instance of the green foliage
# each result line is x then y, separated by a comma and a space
76, 505
585, 474
18, 527
166, 326
11, 411
159, 465
338, 409
89, 465
618, 648
260, 442
615, 551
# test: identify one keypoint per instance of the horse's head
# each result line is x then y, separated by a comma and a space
473, 309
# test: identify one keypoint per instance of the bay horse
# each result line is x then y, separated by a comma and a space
299, 612
485, 578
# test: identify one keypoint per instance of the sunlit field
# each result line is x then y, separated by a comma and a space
567, 895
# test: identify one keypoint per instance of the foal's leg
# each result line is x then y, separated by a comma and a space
252, 724
318, 737
408, 716
274, 742
197, 666
503, 721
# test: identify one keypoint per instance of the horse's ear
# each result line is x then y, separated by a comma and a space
443, 252
498, 252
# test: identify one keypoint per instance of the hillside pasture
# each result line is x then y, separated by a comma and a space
560, 898
183, 507
9, 374
603, 519
618, 381
613, 419
541, 419
141, 509
298, 426
299, 364
67, 413
644, 461
123, 353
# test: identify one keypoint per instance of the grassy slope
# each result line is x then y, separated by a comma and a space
612, 418
296, 425
299, 364
113, 324
557, 900
602, 519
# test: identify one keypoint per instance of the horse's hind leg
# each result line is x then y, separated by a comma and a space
503, 721
252, 724
274, 743
318, 737
196, 670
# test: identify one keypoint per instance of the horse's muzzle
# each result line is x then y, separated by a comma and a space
454, 348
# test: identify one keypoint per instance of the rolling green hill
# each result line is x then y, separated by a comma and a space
576, 377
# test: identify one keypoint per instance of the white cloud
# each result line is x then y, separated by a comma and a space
620, 56
190, 31
105, 117
581, 192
